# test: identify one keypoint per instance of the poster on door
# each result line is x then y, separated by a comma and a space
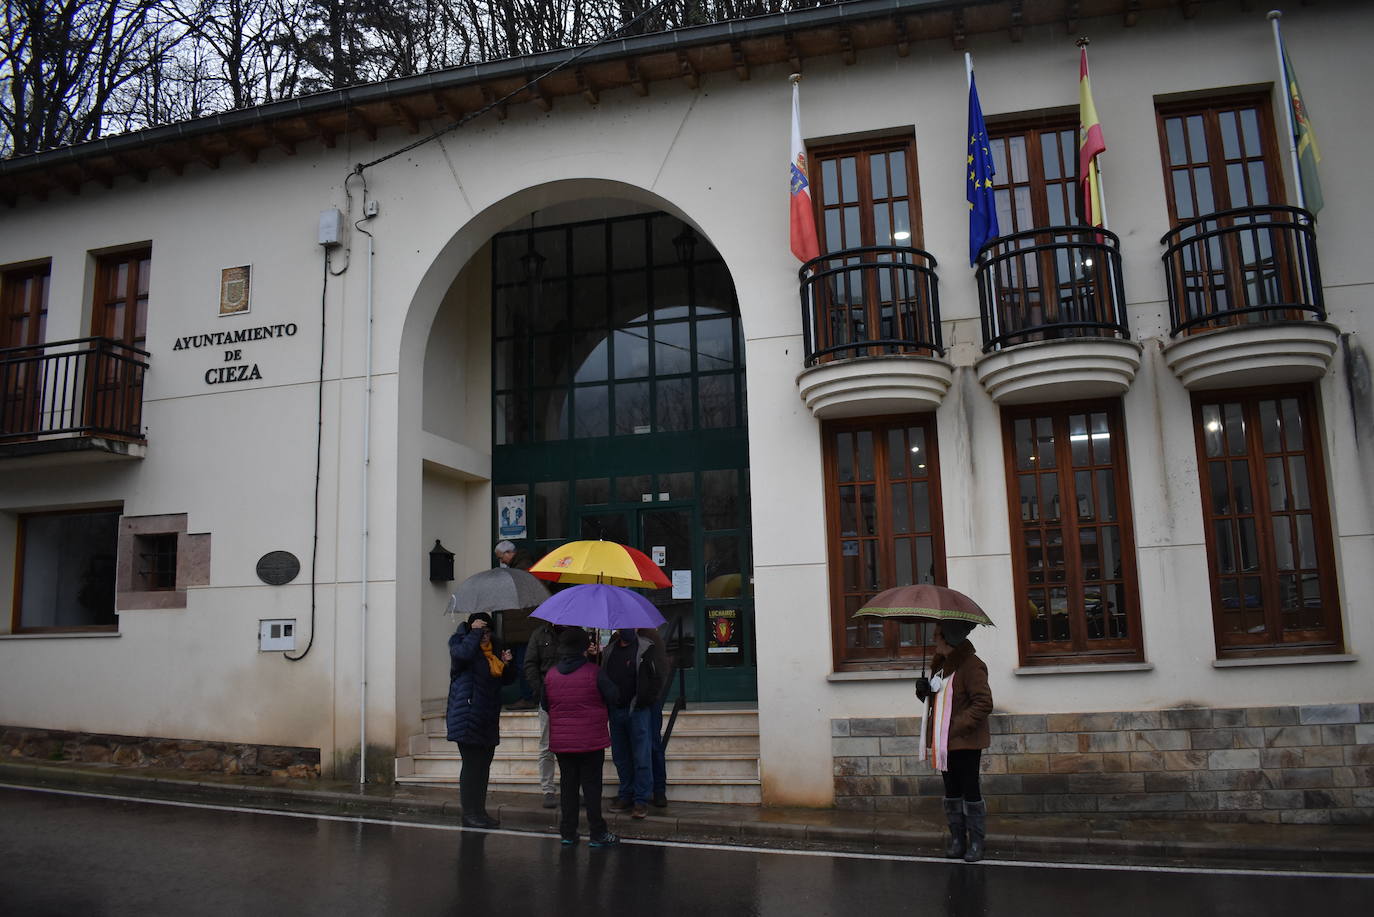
723, 630
510, 516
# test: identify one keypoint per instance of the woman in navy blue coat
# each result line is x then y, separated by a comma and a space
477, 670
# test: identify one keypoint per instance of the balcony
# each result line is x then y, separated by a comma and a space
871, 333
1054, 316
81, 399
1245, 299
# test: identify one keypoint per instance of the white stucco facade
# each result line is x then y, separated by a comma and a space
238, 458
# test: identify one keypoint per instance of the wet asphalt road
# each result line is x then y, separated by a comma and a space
71, 855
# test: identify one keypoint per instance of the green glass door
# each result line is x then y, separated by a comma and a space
709, 614
618, 412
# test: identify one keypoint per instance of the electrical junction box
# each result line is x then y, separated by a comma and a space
277, 635
331, 227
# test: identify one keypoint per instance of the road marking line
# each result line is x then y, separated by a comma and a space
731, 848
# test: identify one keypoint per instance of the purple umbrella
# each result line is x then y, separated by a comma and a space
599, 605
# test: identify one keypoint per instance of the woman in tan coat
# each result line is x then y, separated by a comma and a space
957, 733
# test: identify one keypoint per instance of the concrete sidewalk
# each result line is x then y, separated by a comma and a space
1086, 839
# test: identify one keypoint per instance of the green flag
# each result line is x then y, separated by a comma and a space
1309, 154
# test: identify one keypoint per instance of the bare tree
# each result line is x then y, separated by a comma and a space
247, 46
62, 62
73, 70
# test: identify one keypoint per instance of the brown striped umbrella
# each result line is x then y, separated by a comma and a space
924, 602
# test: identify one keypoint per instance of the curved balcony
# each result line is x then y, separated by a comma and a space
871, 333
1054, 316
1245, 299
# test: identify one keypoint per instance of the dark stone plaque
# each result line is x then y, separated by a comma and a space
277, 568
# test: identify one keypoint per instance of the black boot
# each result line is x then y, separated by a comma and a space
474, 809
954, 814
977, 816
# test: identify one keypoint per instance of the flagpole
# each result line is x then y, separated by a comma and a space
1274, 17
1101, 183
968, 67
795, 80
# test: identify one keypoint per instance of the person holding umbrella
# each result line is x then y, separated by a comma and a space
957, 732
956, 702
634, 664
576, 694
477, 670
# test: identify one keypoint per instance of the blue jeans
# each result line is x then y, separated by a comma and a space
632, 752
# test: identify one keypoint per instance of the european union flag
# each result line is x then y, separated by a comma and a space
982, 204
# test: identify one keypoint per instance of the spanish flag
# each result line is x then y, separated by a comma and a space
1090, 144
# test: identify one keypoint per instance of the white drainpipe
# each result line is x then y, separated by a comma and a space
367, 459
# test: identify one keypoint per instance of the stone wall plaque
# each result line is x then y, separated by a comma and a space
277, 568
234, 290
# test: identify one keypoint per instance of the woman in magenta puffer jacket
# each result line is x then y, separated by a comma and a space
576, 692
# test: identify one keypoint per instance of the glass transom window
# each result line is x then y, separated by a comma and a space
618, 327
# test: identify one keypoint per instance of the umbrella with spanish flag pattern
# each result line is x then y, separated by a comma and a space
600, 562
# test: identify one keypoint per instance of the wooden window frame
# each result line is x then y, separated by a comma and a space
1040, 287
155, 562
12, 281
107, 265
17, 603
1332, 636
844, 658
906, 143
1035, 166
1078, 650
1208, 107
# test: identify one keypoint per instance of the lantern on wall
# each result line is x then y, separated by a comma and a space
440, 564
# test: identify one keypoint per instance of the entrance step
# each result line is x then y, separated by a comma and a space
713, 755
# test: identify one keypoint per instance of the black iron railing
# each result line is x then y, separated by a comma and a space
676, 645
1251, 265
86, 386
1051, 283
859, 302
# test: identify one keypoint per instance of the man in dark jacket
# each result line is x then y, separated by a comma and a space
516, 625
541, 652
660, 761
637, 666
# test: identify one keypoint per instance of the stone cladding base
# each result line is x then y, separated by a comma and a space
17, 742
1294, 765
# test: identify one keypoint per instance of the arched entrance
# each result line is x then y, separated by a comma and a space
618, 412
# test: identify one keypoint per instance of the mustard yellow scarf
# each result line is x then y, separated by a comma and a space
497, 666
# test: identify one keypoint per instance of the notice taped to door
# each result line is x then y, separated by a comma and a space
723, 627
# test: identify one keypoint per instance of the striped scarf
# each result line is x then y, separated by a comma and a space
944, 707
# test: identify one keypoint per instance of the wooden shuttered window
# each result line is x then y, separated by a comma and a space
1264, 502
884, 529
1073, 546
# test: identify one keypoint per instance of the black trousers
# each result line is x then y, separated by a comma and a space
473, 778
580, 772
961, 780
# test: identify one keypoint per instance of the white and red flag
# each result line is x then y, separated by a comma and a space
803, 219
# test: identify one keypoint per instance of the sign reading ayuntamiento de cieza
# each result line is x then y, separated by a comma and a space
235, 368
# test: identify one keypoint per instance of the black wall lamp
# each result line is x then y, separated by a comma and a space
440, 564
685, 243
